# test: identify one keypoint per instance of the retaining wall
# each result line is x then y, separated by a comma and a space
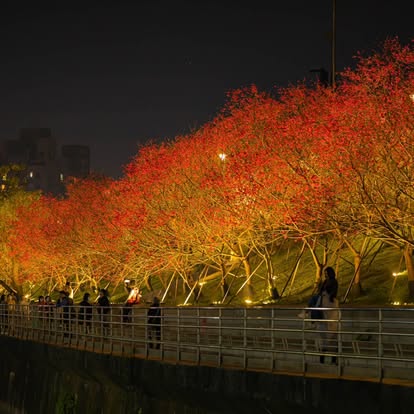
39, 378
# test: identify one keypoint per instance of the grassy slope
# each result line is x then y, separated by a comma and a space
379, 286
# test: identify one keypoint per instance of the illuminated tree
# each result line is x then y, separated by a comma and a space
384, 83
12, 198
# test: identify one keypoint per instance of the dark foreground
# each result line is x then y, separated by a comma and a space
39, 378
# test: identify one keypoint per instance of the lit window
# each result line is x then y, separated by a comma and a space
31, 174
61, 177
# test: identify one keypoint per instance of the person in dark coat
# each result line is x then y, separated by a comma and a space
330, 284
63, 305
104, 308
154, 324
85, 313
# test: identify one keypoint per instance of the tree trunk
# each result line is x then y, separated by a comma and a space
247, 270
356, 285
319, 265
223, 284
272, 289
13, 282
408, 258
248, 288
148, 283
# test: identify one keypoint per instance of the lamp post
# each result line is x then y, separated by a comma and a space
322, 73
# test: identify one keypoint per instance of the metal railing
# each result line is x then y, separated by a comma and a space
351, 342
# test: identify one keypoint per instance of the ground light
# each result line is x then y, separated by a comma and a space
248, 294
395, 277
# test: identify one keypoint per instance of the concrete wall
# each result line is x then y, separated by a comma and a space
37, 378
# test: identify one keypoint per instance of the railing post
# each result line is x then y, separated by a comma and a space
339, 338
303, 344
272, 339
220, 339
111, 329
178, 334
380, 345
244, 338
198, 336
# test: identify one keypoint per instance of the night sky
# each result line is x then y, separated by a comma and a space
114, 75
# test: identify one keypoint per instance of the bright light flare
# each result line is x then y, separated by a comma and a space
222, 156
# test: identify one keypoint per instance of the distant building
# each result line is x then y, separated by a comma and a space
46, 168
75, 160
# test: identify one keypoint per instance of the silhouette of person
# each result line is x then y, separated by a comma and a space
154, 324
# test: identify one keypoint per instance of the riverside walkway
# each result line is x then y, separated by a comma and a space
363, 343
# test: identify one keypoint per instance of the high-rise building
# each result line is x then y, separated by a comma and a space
75, 160
45, 168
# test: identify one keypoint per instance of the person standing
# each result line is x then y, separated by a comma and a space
63, 306
330, 284
85, 313
154, 324
134, 298
104, 311
329, 326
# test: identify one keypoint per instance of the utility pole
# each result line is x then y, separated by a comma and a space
333, 45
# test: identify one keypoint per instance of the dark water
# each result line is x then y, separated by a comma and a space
40, 379
216, 406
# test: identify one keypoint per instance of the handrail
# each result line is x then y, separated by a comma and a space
350, 342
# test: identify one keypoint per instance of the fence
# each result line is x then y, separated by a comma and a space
362, 343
